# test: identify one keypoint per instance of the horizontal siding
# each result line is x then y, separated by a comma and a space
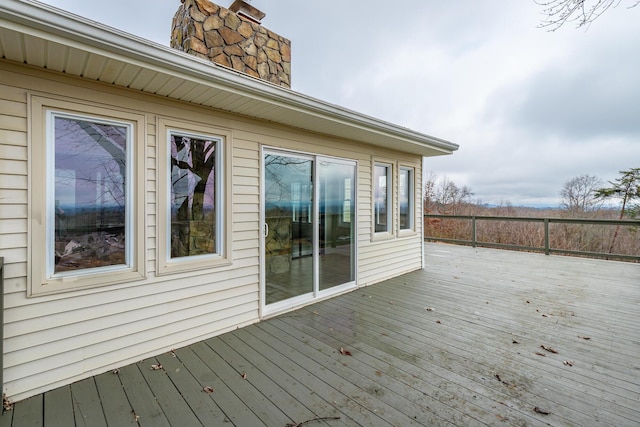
56, 339
13, 187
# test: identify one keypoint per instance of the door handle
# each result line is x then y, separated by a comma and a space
266, 229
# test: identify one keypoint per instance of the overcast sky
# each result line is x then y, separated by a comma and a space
529, 108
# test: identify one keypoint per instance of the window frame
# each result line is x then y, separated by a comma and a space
165, 264
411, 192
42, 280
390, 197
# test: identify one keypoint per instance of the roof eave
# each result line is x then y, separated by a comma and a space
280, 105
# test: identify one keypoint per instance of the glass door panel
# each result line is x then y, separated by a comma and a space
288, 204
337, 218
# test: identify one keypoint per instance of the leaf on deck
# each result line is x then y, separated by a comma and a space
549, 349
345, 352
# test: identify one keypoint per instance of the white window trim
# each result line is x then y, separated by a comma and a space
411, 230
41, 280
389, 233
164, 263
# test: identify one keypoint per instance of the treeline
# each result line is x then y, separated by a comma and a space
582, 198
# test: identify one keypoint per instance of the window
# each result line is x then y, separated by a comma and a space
406, 198
88, 192
84, 187
382, 185
192, 208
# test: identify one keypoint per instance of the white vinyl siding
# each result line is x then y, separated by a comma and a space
53, 340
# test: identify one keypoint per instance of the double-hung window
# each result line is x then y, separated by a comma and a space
84, 230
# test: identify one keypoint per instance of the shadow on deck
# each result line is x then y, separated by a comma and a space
481, 337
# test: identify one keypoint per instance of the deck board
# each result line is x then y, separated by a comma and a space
146, 409
458, 343
58, 406
204, 408
173, 405
231, 405
116, 406
87, 407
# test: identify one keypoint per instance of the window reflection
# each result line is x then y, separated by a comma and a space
193, 195
382, 197
405, 198
89, 194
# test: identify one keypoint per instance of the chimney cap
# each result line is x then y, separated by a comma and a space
245, 9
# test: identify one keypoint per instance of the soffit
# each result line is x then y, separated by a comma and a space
46, 37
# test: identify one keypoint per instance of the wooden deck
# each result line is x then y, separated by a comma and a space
457, 344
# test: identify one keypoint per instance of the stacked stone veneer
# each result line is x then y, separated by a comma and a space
220, 35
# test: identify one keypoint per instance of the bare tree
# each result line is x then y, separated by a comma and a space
444, 195
580, 12
578, 194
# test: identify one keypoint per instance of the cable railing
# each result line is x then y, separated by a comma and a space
597, 238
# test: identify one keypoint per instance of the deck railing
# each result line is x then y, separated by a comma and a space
544, 237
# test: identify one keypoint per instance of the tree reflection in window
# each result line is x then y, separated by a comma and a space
90, 192
193, 195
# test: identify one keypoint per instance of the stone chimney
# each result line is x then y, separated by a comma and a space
233, 38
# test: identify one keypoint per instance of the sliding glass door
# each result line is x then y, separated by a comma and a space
337, 217
309, 222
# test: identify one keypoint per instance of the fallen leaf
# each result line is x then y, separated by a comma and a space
115, 371
541, 354
173, 352
528, 302
514, 342
568, 362
244, 376
378, 373
549, 349
6, 403
208, 389
544, 315
345, 352
156, 367
541, 411
428, 308
584, 338
438, 322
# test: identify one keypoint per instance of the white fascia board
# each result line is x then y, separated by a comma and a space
40, 20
